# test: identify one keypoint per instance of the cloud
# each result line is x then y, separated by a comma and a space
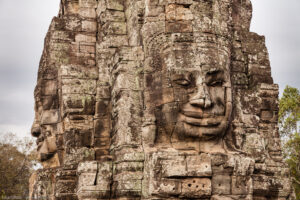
24, 25
279, 22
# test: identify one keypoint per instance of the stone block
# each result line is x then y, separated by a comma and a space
49, 87
87, 167
240, 79
131, 54
102, 153
174, 168
102, 128
78, 138
153, 11
85, 38
88, 48
184, 2
102, 108
87, 12
103, 92
115, 41
267, 115
104, 171
128, 167
182, 37
63, 35
261, 185
76, 155
88, 3
115, 4
128, 188
130, 157
94, 192
115, 28
75, 104
50, 102
50, 117
102, 142
178, 12
179, 27
196, 188
138, 175
167, 187
86, 179
65, 187
241, 185
255, 145
78, 86
126, 82
199, 166
77, 71
114, 16
221, 184
217, 197
257, 79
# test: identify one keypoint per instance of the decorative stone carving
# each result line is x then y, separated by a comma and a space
157, 99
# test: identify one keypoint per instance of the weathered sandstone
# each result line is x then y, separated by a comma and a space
157, 99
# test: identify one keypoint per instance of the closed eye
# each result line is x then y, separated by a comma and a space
216, 83
215, 78
182, 82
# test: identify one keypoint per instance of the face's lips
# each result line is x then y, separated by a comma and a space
197, 119
199, 114
202, 123
46, 156
193, 114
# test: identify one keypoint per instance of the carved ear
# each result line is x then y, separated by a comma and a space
242, 14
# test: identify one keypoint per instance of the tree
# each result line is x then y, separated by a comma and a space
17, 162
289, 117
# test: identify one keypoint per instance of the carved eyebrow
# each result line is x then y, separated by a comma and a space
214, 71
178, 76
214, 75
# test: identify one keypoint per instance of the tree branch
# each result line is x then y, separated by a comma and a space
295, 180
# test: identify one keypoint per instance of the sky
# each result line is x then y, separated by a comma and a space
24, 24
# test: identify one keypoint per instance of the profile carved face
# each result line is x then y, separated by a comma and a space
195, 92
46, 143
46, 139
45, 124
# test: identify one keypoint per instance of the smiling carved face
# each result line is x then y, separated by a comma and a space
200, 86
44, 127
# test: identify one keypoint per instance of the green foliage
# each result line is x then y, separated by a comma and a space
16, 165
289, 111
289, 117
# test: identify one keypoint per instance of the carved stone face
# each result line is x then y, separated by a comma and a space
46, 141
44, 128
196, 92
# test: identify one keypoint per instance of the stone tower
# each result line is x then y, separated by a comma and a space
157, 99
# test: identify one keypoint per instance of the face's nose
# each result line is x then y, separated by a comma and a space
201, 97
35, 129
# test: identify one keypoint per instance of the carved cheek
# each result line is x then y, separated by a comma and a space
170, 112
181, 94
51, 143
217, 95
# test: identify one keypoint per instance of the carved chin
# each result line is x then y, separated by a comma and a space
197, 130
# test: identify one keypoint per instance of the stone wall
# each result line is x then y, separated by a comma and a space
157, 99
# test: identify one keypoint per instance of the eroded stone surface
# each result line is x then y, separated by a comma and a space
157, 99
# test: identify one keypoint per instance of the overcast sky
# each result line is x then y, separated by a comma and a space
24, 24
